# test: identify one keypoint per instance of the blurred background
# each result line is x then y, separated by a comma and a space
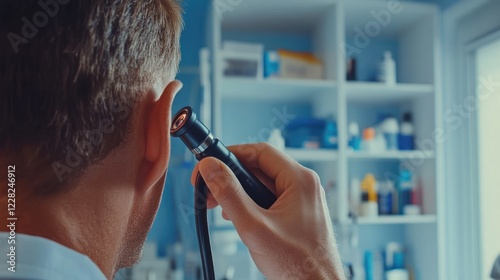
393, 103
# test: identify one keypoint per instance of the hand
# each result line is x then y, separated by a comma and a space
294, 238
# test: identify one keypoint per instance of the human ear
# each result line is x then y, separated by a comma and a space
157, 138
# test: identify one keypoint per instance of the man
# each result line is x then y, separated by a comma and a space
87, 89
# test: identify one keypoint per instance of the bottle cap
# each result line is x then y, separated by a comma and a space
390, 249
407, 117
387, 55
411, 210
390, 125
369, 133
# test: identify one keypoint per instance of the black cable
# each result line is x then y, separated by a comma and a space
200, 209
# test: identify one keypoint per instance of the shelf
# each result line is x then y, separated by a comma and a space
275, 89
370, 92
311, 155
397, 219
390, 155
322, 155
276, 15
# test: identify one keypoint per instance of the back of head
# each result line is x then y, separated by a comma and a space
71, 75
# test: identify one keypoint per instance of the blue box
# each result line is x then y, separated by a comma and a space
302, 132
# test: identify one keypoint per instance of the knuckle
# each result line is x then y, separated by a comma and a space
226, 200
322, 193
311, 178
221, 181
263, 146
228, 195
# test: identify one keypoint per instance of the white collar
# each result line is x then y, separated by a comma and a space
41, 258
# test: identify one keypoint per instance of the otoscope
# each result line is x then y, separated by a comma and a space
200, 141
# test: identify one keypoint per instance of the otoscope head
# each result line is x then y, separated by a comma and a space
192, 132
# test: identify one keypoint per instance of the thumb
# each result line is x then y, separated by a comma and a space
226, 189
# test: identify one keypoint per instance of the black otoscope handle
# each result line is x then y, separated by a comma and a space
251, 184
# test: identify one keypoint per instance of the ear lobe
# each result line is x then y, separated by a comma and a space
157, 148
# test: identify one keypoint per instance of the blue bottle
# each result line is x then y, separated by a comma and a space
385, 200
406, 139
369, 271
405, 189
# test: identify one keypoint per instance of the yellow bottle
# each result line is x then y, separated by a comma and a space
369, 186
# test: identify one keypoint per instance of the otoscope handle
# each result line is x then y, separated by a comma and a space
252, 186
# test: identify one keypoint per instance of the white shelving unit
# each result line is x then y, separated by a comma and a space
245, 110
259, 89
387, 220
391, 155
380, 93
305, 155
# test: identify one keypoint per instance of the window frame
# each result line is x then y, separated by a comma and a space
460, 229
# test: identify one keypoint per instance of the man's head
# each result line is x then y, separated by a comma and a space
80, 96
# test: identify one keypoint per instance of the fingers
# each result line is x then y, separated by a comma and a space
212, 203
227, 190
268, 182
263, 156
274, 168
279, 167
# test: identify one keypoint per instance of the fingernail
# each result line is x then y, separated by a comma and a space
179, 85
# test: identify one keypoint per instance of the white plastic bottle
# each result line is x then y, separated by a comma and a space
354, 137
397, 274
380, 142
390, 128
276, 139
387, 71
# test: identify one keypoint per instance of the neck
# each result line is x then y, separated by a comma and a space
81, 219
